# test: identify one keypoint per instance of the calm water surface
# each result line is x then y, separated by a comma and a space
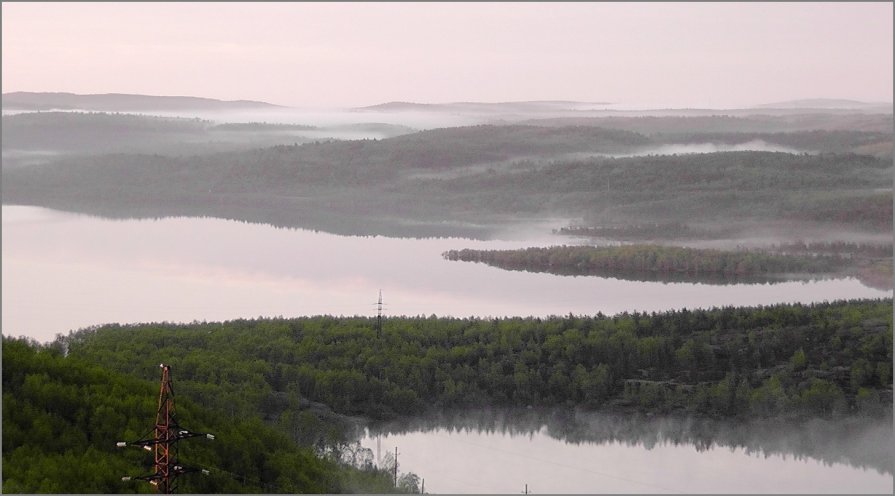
65, 271
471, 461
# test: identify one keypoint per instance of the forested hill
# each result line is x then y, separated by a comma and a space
830, 359
461, 146
62, 417
480, 175
50, 135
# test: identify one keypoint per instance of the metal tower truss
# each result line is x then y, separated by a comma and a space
166, 434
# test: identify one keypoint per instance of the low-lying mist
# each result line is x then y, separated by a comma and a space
521, 164
686, 148
856, 441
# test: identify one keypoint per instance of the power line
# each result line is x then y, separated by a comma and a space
251, 480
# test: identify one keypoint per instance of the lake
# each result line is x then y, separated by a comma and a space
593, 453
64, 271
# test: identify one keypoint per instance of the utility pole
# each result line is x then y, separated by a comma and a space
379, 317
526, 488
396, 466
167, 433
423, 489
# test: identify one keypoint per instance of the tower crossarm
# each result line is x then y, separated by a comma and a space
167, 432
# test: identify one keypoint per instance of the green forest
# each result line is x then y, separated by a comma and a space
820, 359
284, 396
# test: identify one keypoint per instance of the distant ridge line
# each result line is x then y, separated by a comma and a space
509, 105
28, 100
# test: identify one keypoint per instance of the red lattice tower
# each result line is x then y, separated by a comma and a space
167, 432
164, 420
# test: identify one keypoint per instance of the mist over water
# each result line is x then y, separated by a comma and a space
570, 451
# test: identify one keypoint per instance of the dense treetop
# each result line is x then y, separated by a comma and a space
823, 359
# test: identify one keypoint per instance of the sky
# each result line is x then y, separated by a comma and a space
718, 55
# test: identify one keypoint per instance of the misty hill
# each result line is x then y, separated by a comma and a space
75, 131
461, 146
799, 113
429, 181
118, 102
364, 162
857, 133
397, 107
35, 136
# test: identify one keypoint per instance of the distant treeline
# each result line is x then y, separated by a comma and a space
261, 126
602, 260
670, 124
124, 102
96, 133
668, 230
92, 133
838, 248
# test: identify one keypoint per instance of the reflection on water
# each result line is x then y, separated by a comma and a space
567, 451
92, 271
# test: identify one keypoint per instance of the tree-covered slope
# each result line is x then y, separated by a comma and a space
62, 417
786, 360
480, 175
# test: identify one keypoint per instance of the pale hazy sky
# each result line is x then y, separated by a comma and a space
332, 54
